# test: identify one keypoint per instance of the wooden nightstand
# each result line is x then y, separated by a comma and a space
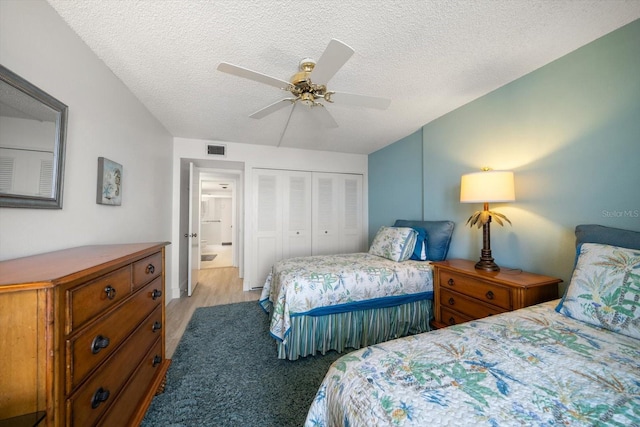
462, 293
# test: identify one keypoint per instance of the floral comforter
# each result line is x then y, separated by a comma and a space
326, 284
530, 367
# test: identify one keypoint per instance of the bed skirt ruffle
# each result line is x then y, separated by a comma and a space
354, 329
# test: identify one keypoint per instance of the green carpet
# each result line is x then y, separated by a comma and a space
225, 372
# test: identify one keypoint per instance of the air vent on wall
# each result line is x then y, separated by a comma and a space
216, 150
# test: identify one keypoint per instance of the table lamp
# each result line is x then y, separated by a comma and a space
485, 187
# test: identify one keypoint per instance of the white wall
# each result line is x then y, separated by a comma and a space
105, 119
252, 156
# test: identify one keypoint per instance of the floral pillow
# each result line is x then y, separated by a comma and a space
394, 243
605, 289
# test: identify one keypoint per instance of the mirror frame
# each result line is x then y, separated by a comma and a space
24, 201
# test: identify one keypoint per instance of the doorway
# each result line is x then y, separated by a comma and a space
216, 224
213, 236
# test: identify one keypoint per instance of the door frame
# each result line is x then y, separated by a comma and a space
230, 168
193, 233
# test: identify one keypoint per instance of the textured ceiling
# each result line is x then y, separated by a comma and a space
428, 57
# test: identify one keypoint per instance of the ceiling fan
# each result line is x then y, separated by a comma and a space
309, 86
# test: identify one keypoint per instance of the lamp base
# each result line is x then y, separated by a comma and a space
486, 261
487, 265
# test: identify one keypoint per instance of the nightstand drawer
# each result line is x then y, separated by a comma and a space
470, 307
450, 318
483, 291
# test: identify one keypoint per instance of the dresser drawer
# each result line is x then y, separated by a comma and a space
146, 269
86, 350
128, 401
450, 317
483, 291
90, 299
470, 307
84, 406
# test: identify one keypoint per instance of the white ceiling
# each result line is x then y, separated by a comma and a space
429, 57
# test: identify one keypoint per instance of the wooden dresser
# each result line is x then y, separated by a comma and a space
82, 335
462, 293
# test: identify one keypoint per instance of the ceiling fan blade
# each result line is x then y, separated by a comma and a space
333, 58
272, 108
322, 114
286, 125
236, 70
360, 100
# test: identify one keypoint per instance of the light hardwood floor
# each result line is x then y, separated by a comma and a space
216, 286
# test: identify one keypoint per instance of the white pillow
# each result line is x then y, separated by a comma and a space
605, 289
394, 243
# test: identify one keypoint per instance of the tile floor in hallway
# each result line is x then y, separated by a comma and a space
223, 257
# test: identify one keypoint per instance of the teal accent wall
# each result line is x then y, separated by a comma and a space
570, 131
395, 174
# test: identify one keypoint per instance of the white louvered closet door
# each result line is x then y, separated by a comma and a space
267, 199
337, 213
6, 174
296, 224
350, 224
325, 218
300, 213
45, 183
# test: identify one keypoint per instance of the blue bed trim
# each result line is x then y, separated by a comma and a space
265, 304
366, 304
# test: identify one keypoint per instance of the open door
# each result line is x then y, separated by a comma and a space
194, 228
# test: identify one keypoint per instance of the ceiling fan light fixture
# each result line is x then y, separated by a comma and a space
307, 99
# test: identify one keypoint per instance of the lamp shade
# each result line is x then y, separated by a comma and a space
487, 186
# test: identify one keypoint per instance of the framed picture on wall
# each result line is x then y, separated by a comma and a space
109, 190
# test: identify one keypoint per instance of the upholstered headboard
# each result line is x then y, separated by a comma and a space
438, 236
591, 233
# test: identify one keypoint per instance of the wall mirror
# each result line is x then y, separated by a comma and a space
32, 144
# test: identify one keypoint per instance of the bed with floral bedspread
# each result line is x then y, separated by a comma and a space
576, 362
314, 289
334, 302
529, 367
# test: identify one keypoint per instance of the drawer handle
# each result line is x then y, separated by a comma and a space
99, 343
450, 282
150, 269
452, 301
110, 291
157, 293
452, 321
156, 326
156, 360
489, 295
101, 395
